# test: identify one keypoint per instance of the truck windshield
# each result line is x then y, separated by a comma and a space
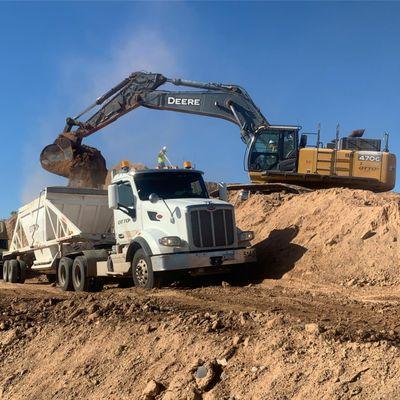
171, 185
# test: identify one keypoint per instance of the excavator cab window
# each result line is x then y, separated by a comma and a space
274, 150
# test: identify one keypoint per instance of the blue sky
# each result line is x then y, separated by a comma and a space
303, 63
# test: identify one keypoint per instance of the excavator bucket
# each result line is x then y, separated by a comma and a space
82, 165
58, 157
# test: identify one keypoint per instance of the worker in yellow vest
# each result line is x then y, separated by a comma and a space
162, 158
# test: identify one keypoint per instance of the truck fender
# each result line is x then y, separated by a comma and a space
136, 244
92, 257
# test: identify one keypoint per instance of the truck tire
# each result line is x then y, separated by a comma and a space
21, 271
5, 271
142, 272
81, 282
64, 274
13, 271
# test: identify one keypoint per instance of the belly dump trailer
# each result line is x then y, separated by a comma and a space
149, 222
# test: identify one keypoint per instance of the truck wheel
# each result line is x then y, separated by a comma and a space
64, 274
142, 271
13, 271
21, 271
81, 282
5, 271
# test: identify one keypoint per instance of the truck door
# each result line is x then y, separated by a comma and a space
127, 217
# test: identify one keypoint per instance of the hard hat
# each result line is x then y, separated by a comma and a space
271, 142
164, 148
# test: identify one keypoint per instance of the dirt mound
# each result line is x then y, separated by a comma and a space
341, 236
206, 344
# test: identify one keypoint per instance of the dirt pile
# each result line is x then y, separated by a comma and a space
205, 343
342, 236
88, 168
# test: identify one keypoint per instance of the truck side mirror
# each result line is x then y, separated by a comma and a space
223, 191
154, 198
243, 195
113, 197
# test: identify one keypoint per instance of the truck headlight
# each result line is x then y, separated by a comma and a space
171, 241
246, 236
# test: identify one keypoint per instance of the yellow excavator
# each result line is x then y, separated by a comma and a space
277, 156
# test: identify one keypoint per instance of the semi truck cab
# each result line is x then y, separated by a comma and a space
164, 221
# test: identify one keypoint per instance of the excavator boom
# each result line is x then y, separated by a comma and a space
67, 156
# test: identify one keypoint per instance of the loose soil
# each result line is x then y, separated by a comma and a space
316, 318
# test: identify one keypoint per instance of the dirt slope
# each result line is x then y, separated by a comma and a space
252, 342
341, 236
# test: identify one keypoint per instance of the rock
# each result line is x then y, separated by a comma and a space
254, 370
92, 317
222, 362
4, 326
368, 235
205, 375
312, 328
93, 308
120, 350
236, 340
152, 389
216, 325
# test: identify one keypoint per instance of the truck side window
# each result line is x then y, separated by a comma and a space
125, 195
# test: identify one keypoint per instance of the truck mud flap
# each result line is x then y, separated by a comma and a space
92, 257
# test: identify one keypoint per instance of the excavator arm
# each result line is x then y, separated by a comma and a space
228, 102
68, 157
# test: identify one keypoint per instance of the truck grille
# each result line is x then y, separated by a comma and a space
212, 228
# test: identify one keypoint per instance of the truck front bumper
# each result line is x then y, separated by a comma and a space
180, 261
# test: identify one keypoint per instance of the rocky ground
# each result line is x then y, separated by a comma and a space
317, 318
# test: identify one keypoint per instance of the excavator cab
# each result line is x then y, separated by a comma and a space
280, 154
275, 149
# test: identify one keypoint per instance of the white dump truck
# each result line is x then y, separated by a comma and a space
150, 223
